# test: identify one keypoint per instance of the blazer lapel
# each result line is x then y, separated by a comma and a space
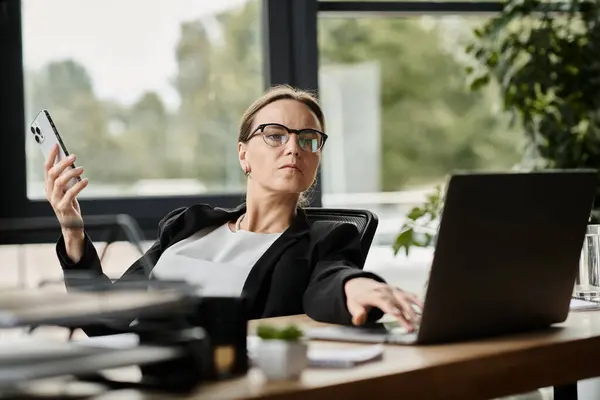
256, 287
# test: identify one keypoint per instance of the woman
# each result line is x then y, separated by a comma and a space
264, 248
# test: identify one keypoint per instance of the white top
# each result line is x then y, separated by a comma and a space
219, 260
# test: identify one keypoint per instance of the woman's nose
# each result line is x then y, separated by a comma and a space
292, 146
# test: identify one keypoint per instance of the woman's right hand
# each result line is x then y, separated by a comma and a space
64, 201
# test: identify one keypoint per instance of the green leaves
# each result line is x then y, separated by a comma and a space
404, 241
548, 69
420, 222
480, 82
270, 332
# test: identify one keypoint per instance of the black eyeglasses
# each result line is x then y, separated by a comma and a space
276, 135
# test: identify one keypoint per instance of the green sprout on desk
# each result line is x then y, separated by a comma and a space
287, 333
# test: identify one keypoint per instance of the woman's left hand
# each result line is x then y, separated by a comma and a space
364, 293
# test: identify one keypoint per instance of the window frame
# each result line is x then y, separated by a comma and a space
406, 8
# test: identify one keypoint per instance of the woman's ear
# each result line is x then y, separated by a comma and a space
242, 155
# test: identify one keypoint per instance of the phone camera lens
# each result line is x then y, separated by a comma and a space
37, 138
37, 129
32, 130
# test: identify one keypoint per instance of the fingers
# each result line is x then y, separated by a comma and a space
72, 193
400, 304
366, 293
54, 172
414, 299
406, 305
58, 178
385, 300
49, 163
65, 178
359, 314
61, 189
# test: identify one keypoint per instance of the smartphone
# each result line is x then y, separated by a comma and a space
46, 136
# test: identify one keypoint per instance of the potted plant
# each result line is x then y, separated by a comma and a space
282, 353
546, 59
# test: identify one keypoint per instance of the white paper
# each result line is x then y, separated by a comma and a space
120, 341
333, 358
344, 358
580, 304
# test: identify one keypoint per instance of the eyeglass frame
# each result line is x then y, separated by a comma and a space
261, 128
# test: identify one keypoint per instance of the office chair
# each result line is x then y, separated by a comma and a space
364, 220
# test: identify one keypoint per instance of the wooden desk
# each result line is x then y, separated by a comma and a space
476, 370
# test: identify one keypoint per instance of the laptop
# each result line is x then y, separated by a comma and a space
505, 260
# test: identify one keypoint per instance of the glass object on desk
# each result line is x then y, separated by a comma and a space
587, 284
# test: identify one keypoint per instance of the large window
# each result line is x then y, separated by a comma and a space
401, 116
146, 93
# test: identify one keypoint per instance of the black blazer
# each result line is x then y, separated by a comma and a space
303, 272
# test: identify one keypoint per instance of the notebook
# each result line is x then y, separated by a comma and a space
583, 305
346, 357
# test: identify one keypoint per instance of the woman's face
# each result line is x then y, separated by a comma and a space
281, 169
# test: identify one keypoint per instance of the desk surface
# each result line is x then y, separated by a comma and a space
473, 370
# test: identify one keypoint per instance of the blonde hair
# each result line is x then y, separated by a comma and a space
273, 94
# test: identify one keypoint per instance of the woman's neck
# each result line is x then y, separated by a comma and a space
269, 213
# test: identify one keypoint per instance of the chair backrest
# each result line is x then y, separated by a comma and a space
364, 220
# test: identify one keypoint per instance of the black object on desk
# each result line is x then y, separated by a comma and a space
223, 319
197, 339
225, 322
180, 373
